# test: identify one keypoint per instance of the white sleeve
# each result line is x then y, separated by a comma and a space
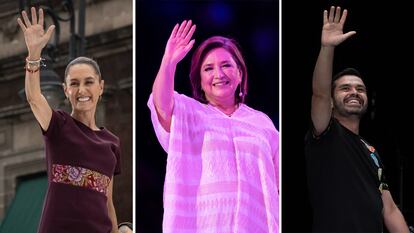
162, 135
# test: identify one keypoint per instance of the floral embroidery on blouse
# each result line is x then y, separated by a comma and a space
79, 176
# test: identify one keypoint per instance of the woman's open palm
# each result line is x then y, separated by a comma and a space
179, 43
34, 34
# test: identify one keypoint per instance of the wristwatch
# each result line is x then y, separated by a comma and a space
33, 66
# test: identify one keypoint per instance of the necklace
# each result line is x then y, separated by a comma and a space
236, 106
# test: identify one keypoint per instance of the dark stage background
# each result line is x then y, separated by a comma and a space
382, 50
254, 24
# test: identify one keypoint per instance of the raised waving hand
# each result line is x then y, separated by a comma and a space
178, 46
333, 24
332, 35
34, 34
36, 39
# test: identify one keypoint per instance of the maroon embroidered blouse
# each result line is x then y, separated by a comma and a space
80, 164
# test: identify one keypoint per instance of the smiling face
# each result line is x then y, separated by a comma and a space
350, 96
220, 76
83, 87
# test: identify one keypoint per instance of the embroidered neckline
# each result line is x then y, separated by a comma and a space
238, 106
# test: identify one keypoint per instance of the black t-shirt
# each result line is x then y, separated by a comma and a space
345, 177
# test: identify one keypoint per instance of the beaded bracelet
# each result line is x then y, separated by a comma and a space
33, 66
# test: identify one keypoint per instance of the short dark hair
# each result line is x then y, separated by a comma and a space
346, 71
84, 60
211, 43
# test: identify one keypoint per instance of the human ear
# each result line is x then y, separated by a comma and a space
65, 88
101, 84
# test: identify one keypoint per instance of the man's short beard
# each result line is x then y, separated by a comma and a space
346, 113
